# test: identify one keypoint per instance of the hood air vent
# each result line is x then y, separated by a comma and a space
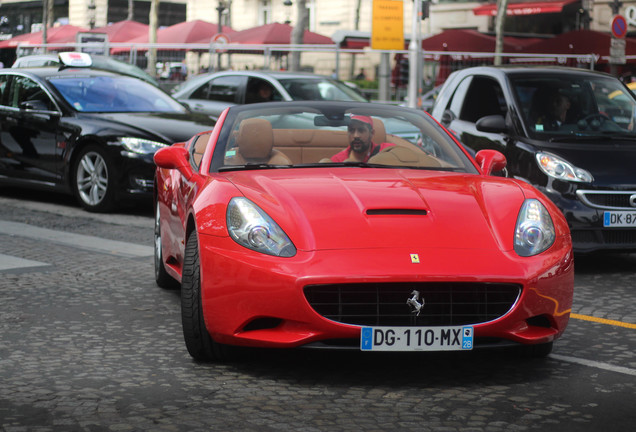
407, 212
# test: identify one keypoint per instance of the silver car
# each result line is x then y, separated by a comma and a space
212, 93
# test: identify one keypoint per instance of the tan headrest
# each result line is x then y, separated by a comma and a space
255, 139
379, 131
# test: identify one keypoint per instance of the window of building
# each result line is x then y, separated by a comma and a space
264, 12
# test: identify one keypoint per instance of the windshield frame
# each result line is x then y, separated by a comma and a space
332, 118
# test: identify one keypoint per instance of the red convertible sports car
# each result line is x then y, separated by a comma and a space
330, 224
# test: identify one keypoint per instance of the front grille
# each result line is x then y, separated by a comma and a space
607, 199
385, 304
618, 238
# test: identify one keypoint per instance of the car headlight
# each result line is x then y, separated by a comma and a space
140, 145
534, 232
561, 169
251, 227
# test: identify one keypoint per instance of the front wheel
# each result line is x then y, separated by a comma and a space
94, 180
198, 341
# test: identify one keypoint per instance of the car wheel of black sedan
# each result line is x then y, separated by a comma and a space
94, 180
198, 341
163, 279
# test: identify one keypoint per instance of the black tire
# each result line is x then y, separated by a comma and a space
163, 279
94, 180
197, 339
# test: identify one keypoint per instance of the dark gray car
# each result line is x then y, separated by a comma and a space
212, 93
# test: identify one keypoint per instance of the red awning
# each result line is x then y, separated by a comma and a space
276, 33
525, 8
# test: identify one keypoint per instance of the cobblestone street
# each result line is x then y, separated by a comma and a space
88, 342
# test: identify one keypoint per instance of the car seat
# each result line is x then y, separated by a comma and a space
255, 144
379, 131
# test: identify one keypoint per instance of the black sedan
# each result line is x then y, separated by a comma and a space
569, 132
87, 132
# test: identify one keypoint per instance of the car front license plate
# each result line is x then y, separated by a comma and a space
454, 338
619, 219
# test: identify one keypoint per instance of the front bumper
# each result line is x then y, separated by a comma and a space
252, 299
586, 223
136, 177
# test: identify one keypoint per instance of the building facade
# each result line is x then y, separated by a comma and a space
327, 17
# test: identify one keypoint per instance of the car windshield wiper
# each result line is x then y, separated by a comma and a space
252, 166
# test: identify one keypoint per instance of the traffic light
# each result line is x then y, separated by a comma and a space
404, 72
425, 9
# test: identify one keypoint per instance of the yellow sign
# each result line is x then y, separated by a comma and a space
387, 32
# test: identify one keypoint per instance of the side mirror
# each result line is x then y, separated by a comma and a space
490, 161
39, 108
174, 158
492, 123
35, 105
447, 117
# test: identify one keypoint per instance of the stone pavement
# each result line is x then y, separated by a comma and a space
88, 342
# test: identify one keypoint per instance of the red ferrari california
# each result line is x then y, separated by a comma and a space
367, 226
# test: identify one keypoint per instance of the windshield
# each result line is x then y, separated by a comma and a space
558, 106
114, 94
320, 89
320, 134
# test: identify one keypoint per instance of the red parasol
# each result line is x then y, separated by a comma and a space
276, 34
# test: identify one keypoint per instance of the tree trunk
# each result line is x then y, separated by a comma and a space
302, 23
47, 18
131, 10
356, 26
153, 19
502, 5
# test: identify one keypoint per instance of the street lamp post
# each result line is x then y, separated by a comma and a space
220, 9
414, 88
287, 4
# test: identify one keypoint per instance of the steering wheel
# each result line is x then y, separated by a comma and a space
594, 121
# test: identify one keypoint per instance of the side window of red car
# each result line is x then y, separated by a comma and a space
197, 149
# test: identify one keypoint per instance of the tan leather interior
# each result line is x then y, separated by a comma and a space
255, 143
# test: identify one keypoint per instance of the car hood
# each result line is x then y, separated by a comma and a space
610, 162
349, 208
165, 127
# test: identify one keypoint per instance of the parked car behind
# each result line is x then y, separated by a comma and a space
212, 93
86, 132
584, 161
98, 62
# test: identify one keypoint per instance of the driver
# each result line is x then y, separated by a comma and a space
361, 147
555, 112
